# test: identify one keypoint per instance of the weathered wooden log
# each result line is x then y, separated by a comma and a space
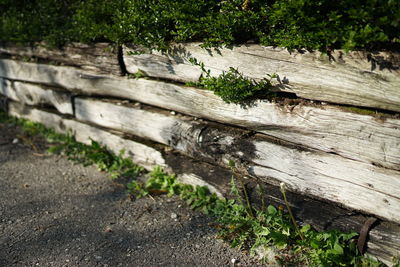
384, 241
33, 94
359, 186
145, 155
357, 78
324, 127
377, 245
84, 133
99, 57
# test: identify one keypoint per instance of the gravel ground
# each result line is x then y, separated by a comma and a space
55, 213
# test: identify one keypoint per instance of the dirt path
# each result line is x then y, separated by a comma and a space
55, 213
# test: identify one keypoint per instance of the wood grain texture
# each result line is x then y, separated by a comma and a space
144, 155
359, 186
36, 95
99, 57
84, 133
359, 79
384, 241
377, 245
327, 128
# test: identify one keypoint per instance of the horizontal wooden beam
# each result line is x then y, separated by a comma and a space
359, 186
353, 78
99, 57
34, 94
367, 138
356, 78
384, 241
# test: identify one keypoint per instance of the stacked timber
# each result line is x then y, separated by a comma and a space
342, 161
355, 78
99, 57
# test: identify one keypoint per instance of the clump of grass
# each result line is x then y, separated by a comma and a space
96, 154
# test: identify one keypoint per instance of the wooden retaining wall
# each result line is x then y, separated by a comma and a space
341, 164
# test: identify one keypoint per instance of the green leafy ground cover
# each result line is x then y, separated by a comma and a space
311, 24
239, 222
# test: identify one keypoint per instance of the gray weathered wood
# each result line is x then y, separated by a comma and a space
377, 245
354, 79
142, 154
139, 153
324, 127
384, 241
99, 57
33, 94
353, 184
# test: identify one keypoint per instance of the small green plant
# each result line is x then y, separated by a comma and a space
265, 227
160, 182
96, 154
233, 87
137, 75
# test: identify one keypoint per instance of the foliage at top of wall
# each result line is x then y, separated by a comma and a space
310, 24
